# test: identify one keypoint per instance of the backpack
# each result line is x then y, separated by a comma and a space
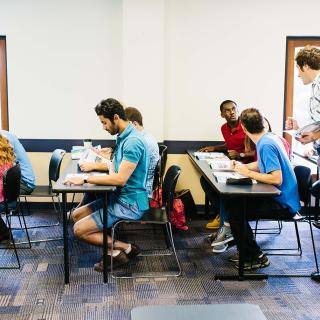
177, 215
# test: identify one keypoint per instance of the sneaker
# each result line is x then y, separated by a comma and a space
135, 250
234, 257
260, 261
220, 248
118, 261
214, 224
224, 236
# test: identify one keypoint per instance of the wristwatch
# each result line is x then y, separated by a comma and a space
242, 155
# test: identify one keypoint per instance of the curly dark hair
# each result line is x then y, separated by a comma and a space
310, 56
252, 120
109, 107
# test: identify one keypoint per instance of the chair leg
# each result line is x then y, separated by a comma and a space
14, 247
169, 236
279, 228
173, 248
298, 238
314, 247
255, 229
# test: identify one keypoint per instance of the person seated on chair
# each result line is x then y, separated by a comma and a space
273, 167
130, 200
234, 145
221, 240
27, 184
135, 117
7, 159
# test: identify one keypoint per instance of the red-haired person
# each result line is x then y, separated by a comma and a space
7, 159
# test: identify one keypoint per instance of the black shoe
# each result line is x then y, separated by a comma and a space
316, 224
260, 261
118, 261
4, 235
135, 250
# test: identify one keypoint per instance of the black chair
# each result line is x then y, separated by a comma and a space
315, 191
163, 151
157, 216
45, 191
11, 191
303, 175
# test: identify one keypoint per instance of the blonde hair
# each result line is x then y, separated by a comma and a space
6, 151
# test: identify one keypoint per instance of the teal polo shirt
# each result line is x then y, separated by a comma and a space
131, 146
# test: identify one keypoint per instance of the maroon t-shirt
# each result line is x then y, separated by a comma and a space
234, 138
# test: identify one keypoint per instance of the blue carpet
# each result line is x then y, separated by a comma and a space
37, 290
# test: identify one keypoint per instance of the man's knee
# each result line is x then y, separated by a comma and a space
79, 230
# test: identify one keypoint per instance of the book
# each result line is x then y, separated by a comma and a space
89, 155
220, 164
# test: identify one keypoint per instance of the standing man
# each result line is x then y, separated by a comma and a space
130, 200
27, 184
135, 117
308, 64
273, 167
234, 138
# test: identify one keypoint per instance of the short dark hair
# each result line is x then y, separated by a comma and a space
310, 56
109, 107
225, 102
133, 114
252, 120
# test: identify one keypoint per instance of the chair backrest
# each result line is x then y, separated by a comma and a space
163, 151
55, 164
11, 183
156, 176
303, 175
169, 185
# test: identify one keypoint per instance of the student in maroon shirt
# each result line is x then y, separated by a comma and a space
234, 138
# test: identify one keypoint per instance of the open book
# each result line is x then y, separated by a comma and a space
220, 164
91, 156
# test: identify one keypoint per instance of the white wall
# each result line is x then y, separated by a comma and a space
218, 50
175, 60
63, 58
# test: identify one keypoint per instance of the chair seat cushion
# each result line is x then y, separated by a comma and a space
158, 215
42, 191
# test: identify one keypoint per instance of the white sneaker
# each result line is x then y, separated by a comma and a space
220, 248
223, 237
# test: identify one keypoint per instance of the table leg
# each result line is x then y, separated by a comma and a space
105, 239
65, 239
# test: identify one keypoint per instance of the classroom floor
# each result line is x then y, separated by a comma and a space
37, 290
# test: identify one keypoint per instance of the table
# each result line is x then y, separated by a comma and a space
59, 187
244, 191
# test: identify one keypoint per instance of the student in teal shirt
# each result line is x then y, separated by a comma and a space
130, 200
